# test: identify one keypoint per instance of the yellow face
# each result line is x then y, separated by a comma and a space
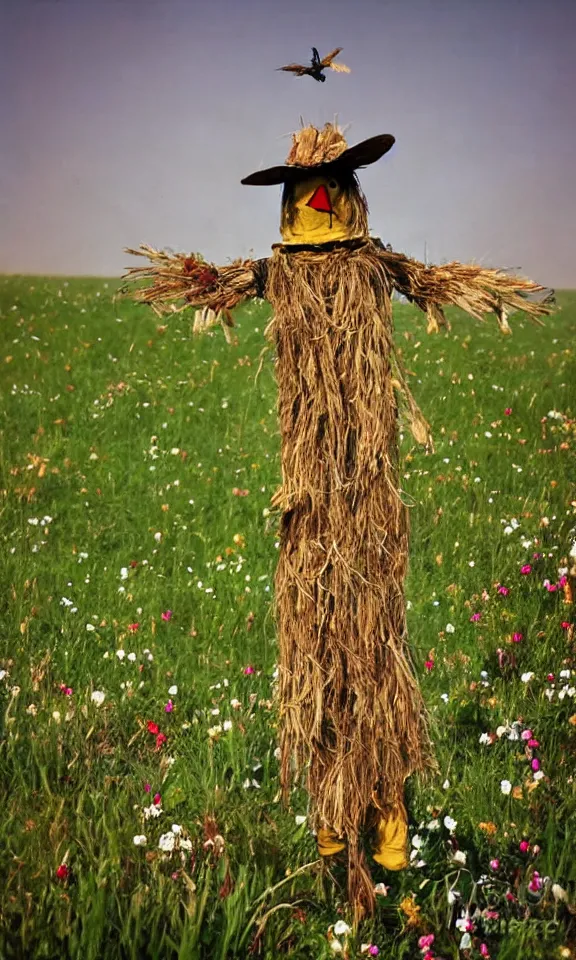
322, 213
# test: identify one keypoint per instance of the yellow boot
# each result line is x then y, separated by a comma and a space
328, 842
392, 840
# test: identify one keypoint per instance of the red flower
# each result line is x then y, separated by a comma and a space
565, 625
157, 798
62, 872
133, 627
153, 727
508, 411
160, 739
429, 664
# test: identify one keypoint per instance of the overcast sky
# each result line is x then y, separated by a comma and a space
123, 121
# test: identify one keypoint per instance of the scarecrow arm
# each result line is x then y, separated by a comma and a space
474, 289
180, 282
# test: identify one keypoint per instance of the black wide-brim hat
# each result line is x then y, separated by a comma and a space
361, 155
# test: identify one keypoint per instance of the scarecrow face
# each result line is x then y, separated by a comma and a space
317, 211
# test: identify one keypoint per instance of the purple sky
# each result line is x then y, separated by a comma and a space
128, 121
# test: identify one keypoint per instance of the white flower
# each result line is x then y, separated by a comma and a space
124, 573
90, 627
416, 841
166, 842
158, 537
505, 787
433, 825
559, 893
227, 725
132, 657
459, 856
65, 602
214, 731
446, 785
33, 521
381, 889
140, 840
526, 677
56, 716
341, 929
120, 654
444, 697
484, 738
466, 941
508, 530
173, 690
539, 775
450, 824
175, 451
185, 844
500, 731
31, 709
449, 628
235, 704
176, 828
154, 810
336, 946
487, 434
564, 674
300, 819
98, 697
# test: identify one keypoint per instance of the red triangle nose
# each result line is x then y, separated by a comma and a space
320, 200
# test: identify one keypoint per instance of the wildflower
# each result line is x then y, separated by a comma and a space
167, 841
120, 654
147, 788
429, 664
98, 697
517, 637
173, 691
459, 856
450, 628
133, 627
494, 864
157, 799
341, 929
139, 840
536, 883
373, 950
426, 941
62, 872
484, 951
526, 569
177, 829
169, 707
527, 677
475, 617
153, 727
505, 787
67, 691
90, 627
336, 946
132, 657
450, 824
565, 625
508, 412
167, 615
381, 889
485, 738
248, 670
526, 735
535, 764
227, 725
524, 846
504, 591
160, 739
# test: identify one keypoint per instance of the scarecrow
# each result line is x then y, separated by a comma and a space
351, 712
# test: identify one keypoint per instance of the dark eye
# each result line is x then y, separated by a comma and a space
332, 184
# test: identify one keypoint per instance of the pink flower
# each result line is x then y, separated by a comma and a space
536, 882
67, 691
508, 412
563, 581
429, 664
62, 872
510, 896
484, 951
157, 800
167, 615
494, 864
550, 677
503, 590
373, 950
160, 739
475, 617
147, 788
526, 734
524, 846
565, 625
526, 569
133, 627
248, 670
533, 743
491, 914
426, 941
517, 637
169, 707
535, 764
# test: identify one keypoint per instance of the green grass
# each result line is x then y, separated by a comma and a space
121, 447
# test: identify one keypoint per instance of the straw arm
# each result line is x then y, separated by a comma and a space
177, 281
476, 290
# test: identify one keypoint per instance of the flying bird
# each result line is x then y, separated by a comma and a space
318, 66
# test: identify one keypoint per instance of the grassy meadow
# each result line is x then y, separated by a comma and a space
139, 811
